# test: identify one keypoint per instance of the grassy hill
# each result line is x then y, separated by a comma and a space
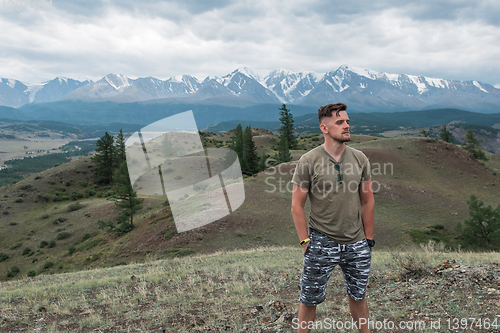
422, 187
256, 290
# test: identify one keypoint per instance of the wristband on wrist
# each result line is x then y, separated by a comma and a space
371, 242
304, 241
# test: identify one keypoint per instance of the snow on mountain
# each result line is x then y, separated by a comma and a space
362, 89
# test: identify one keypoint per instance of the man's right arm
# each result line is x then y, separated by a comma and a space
299, 197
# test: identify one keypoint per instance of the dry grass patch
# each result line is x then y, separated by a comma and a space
252, 290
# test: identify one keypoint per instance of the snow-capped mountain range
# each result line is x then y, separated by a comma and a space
362, 89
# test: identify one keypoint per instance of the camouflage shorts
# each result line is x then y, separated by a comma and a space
321, 257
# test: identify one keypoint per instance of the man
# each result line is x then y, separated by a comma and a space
338, 182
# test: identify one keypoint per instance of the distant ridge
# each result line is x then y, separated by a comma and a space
364, 90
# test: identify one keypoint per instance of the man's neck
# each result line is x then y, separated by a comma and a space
334, 148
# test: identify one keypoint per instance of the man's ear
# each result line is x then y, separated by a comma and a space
323, 128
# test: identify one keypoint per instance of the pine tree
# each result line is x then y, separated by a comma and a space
286, 128
120, 155
125, 196
446, 135
283, 155
483, 226
263, 160
250, 164
238, 141
105, 158
472, 145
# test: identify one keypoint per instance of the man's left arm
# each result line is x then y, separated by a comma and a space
367, 207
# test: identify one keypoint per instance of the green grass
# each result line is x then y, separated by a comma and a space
234, 291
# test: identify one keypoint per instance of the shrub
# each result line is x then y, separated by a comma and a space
52, 244
3, 257
63, 235
413, 264
47, 265
19, 200
13, 271
31, 273
43, 244
482, 229
45, 216
71, 249
59, 220
74, 206
58, 198
17, 245
26, 251
83, 183
68, 182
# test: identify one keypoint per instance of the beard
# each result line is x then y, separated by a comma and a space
341, 138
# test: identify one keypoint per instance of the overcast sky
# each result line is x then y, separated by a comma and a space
451, 39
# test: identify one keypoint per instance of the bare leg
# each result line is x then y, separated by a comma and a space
360, 310
306, 314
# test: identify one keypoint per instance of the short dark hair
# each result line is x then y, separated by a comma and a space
327, 110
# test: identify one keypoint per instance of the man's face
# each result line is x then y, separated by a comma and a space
337, 127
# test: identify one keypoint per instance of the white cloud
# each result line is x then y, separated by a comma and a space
447, 39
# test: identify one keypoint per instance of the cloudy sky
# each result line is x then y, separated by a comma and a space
451, 39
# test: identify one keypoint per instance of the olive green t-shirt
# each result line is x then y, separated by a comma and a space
335, 206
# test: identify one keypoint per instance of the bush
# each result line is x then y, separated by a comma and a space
412, 264
43, 244
31, 273
74, 206
45, 216
71, 249
59, 220
86, 236
13, 271
63, 235
52, 244
17, 245
482, 229
58, 198
3, 257
26, 251
19, 199
47, 265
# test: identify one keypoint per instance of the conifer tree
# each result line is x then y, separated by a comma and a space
283, 155
250, 158
238, 142
120, 155
483, 227
125, 196
105, 158
472, 145
445, 135
263, 164
286, 128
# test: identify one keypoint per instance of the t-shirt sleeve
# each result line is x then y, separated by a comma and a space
301, 175
366, 174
